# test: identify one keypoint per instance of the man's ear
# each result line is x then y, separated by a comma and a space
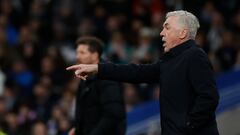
95, 56
183, 34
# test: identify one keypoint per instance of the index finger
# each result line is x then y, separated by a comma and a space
73, 67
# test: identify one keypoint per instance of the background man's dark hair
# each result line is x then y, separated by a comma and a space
94, 44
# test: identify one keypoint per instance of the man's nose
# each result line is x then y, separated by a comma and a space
161, 33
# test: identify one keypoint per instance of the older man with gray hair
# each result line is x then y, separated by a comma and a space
189, 96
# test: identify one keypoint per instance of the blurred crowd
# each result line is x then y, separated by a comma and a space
37, 43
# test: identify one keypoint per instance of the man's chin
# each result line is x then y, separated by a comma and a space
166, 50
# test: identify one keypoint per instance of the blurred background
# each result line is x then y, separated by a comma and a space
37, 43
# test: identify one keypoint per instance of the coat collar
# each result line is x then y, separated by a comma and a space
180, 48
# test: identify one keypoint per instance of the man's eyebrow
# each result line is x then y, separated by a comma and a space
165, 24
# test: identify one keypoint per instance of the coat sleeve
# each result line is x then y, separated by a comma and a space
113, 109
202, 80
131, 73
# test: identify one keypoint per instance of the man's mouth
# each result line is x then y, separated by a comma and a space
164, 43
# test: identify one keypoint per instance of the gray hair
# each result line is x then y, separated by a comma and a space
188, 20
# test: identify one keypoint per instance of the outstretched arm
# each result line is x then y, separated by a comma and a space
132, 73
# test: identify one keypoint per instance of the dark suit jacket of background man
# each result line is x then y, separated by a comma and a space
100, 108
188, 93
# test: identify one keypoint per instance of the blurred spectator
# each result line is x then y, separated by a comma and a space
64, 126
143, 9
85, 27
68, 99
21, 76
49, 68
55, 54
3, 107
157, 21
216, 31
10, 30
57, 114
10, 96
39, 128
60, 43
136, 25
131, 96
12, 123
26, 117
227, 52
4, 51
37, 8
145, 51
67, 103
43, 101
113, 24
207, 12
25, 36
118, 50
31, 55
236, 22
